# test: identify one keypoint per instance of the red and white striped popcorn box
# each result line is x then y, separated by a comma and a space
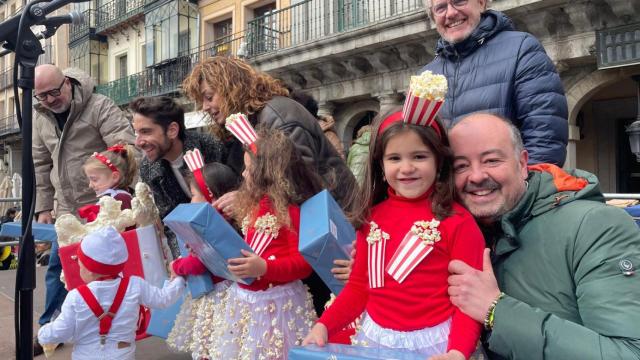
415, 246
420, 111
195, 162
194, 159
241, 128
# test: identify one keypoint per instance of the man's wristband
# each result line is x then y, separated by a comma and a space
488, 319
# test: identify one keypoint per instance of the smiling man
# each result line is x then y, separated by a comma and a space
563, 283
160, 132
491, 67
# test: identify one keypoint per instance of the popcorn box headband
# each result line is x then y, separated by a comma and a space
195, 163
241, 128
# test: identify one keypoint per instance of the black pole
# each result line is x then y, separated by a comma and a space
26, 277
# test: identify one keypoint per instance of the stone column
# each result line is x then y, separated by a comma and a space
388, 101
326, 108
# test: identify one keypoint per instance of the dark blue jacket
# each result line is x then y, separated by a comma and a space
506, 72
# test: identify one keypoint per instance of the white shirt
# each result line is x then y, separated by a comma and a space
77, 323
176, 165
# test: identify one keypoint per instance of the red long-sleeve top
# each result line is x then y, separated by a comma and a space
284, 262
421, 300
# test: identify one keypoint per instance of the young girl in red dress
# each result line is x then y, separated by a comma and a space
413, 230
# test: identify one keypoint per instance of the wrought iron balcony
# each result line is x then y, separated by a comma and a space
165, 78
6, 79
9, 125
77, 32
315, 19
118, 12
618, 46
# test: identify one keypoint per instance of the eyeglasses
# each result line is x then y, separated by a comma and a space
52, 92
441, 8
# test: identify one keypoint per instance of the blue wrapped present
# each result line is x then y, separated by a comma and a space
634, 211
208, 235
198, 285
349, 352
325, 236
44, 232
162, 320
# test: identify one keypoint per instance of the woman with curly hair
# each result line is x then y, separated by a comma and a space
222, 86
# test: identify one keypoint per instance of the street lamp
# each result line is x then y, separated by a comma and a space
634, 129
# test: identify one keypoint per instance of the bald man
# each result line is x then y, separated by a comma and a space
70, 123
561, 281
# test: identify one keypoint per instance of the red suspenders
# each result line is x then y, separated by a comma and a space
105, 318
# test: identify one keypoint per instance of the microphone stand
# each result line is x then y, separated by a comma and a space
27, 48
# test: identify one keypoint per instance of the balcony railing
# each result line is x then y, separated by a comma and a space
6, 78
165, 78
618, 46
78, 31
9, 125
314, 19
117, 12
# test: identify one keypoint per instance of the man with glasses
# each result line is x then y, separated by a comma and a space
69, 124
491, 67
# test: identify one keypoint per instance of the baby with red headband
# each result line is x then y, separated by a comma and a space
110, 173
101, 317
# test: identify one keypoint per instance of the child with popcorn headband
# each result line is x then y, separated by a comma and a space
194, 323
264, 319
110, 173
101, 318
414, 230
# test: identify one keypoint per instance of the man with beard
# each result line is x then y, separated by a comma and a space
160, 133
491, 67
563, 282
70, 123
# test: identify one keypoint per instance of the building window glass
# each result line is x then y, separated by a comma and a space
90, 56
171, 31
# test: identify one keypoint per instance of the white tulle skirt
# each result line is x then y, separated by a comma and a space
428, 341
262, 324
194, 325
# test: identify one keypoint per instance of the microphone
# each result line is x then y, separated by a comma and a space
73, 18
36, 16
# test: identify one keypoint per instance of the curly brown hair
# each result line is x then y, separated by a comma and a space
241, 87
374, 188
279, 172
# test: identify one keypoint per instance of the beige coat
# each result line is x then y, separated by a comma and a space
327, 125
94, 123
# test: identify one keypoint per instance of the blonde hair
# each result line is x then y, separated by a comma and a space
240, 87
124, 161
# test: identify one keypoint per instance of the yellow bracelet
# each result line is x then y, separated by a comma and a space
488, 319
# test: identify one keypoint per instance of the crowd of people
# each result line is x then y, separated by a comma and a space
471, 238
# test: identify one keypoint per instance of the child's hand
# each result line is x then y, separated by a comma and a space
172, 273
318, 335
251, 265
451, 355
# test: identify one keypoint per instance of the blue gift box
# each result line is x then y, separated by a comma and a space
325, 236
634, 211
209, 235
162, 320
349, 352
198, 285
44, 232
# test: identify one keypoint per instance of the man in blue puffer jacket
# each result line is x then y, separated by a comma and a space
491, 67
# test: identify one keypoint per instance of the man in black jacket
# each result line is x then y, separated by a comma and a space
160, 133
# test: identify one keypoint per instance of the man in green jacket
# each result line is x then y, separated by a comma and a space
564, 283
